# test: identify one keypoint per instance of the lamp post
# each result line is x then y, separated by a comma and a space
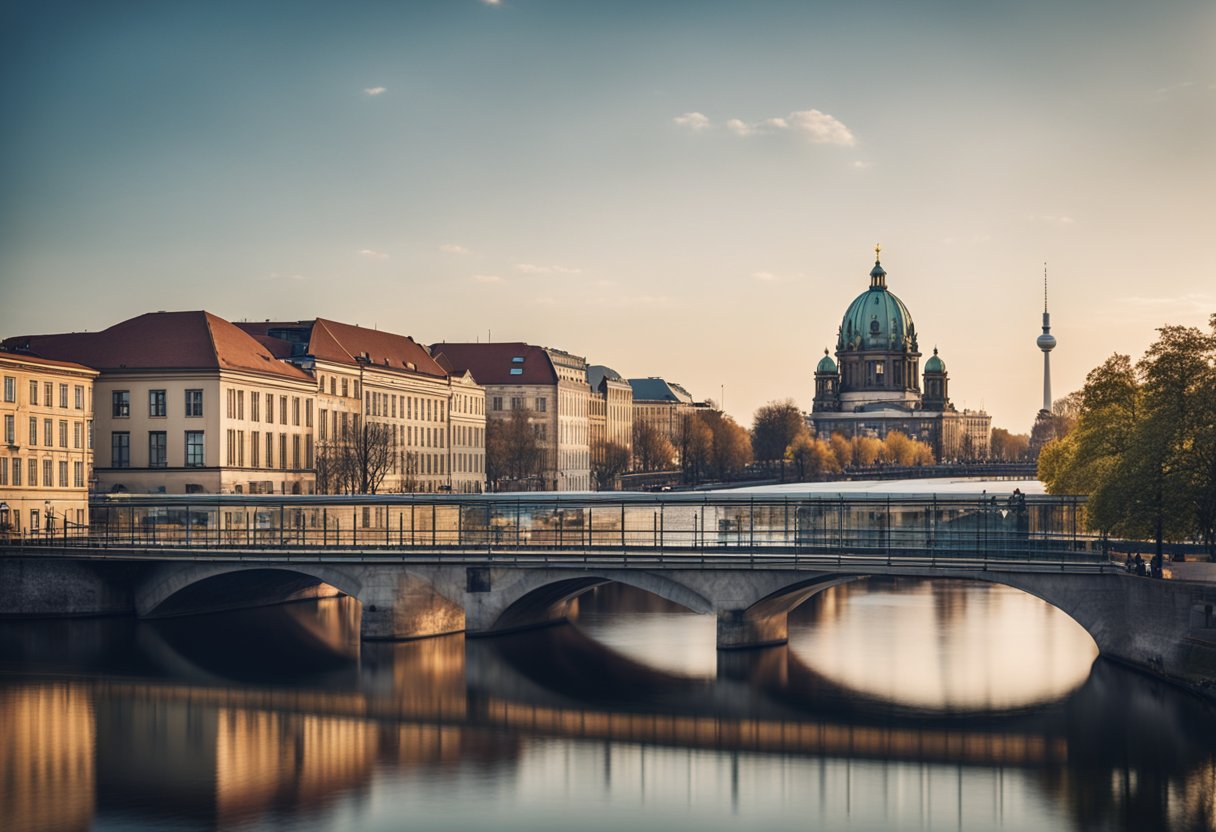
48, 517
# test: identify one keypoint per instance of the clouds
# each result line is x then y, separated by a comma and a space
531, 268
695, 122
487, 279
1058, 221
453, 248
372, 254
812, 125
372, 92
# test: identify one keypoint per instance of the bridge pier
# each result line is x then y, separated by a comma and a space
740, 630
402, 605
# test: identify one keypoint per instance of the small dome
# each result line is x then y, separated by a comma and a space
935, 364
826, 364
878, 270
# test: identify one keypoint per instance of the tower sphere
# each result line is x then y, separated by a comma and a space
1046, 342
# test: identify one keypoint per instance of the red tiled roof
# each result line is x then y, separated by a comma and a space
26, 358
492, 363
163, 341
345, 343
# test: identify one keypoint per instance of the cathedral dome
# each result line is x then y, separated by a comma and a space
935, 364
877, 319
826, 364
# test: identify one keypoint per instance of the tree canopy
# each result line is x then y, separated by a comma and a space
1143, 448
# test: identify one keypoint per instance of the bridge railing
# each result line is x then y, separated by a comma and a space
953, 526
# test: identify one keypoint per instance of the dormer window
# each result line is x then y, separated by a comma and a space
518, 359
517, 371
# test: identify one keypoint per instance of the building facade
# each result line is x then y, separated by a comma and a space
610, 418
433, 421
550, 385
663, 405
187, 403
874, 385
46, 460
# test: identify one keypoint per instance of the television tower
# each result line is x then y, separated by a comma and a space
1047, 343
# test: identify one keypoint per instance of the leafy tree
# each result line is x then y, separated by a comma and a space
1144, 444
1009, 447
609, 461
732, 445
813, 458
652, 450
866, 450
842, 448
774, 427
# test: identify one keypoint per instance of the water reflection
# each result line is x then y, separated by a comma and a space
116, 724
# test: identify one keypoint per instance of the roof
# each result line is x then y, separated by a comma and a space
502, 363
655, 389
26, 358
596, 373
826, 364
327, 340
935, 364
195, 340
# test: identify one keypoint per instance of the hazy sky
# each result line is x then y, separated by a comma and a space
690, 190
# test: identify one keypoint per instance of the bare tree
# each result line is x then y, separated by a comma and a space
357, 463
609, 461
774, 429
652, 450
514, 454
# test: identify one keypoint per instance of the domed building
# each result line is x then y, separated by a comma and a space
874, 385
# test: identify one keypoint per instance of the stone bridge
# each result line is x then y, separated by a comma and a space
492, 565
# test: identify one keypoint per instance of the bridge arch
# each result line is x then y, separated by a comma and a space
196, 587
540, 597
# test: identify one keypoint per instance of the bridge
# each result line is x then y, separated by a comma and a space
424, 565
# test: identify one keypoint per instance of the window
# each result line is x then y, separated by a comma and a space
194, 449
78, 390
308, 413
295, 452
240, 404
345, 387
49, 401
33, 431
120, 449
63, 400
295, 410
3, 470
121, 400
270, 408
541, 404
34, 515
48, 433
269, 449
283, 451
33, 392
517, 359
16, 472
516, 402
322, 423
89, 431
10, 389
282, 410
156, 403
517, 371
194, 403
63, 473
255, 450
78, 475
10, 430
255, 402
63, 433
158, 451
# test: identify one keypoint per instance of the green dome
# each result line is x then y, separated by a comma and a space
826, 364
877, 320
935, 364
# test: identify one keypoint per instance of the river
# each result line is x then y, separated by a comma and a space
897, 704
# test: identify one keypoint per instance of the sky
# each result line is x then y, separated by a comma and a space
690, 190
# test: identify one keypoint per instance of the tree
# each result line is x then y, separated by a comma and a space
514, 453
866, 450
813, 458
696, 457
652, 450
608, 461
842, 448
358, 462
1144, 444
774, 428
732, 445
1009, 447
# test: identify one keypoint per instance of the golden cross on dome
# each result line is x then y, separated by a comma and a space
877, 251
